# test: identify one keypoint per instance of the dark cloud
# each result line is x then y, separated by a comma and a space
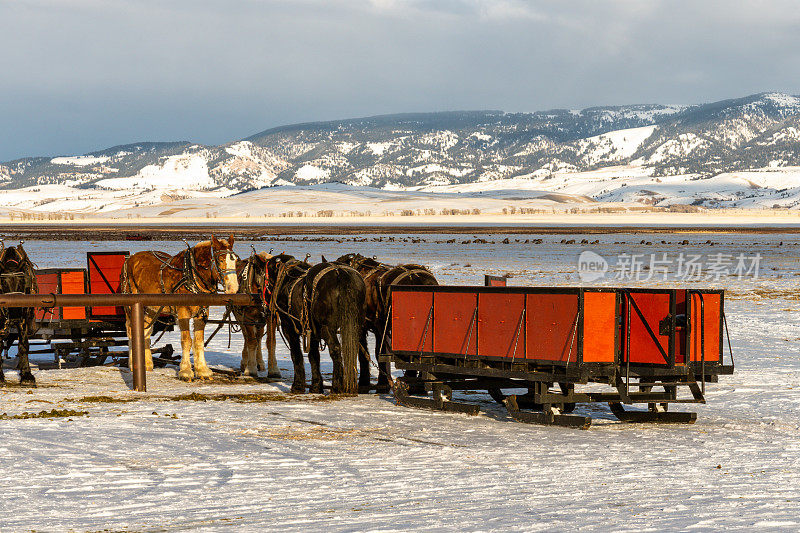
79, 75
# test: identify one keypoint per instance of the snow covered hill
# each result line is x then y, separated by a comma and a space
735, 153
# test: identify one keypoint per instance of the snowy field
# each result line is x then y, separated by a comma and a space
248, 456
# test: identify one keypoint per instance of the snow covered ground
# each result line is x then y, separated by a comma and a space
264, 460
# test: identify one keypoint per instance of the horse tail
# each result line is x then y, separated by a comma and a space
351, 315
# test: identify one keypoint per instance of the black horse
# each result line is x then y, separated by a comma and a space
316, 303
17, 276
379, 279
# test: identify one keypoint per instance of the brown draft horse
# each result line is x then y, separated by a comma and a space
256, 320
323, 302
379, 279
199, 269
17, 276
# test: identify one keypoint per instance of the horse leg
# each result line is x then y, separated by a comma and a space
245, 334
148, 349
3, 340
313, 359
299, 382
335, 351
252, 340
364, 376
384, 369
200, 367
7, 343
128, 331
185, 371
23, 365
272, 362
258, 356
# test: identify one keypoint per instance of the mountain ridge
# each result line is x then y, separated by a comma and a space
647, 143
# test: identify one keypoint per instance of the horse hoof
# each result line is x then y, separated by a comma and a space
297, 389
204, 376
27, 380
315, 389
274, 375
186, 375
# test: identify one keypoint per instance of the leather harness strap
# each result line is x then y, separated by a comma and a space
307, 297
317, 279
189, 276
407, 273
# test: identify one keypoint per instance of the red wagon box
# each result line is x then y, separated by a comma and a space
496, 337
547, 325
559, 325
61, 281
104, 269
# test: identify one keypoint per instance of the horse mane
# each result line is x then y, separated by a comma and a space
281, 258
22, 256
203, 254
360, 260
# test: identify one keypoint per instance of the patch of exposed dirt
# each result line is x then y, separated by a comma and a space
316, 433
257, 397
762, 294
55, 413
105, 399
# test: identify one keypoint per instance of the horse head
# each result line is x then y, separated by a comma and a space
258, 271
223, 263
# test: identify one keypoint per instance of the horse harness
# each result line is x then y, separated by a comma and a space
189, 276
302, 324
246, 287
25, 270
406, 271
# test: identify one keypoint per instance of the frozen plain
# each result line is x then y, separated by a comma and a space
163, 462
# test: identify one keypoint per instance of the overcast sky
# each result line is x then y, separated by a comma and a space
82, 75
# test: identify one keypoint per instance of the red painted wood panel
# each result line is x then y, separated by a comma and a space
501, 332
61, 281
680, 337
73, 282
454, 323
104, 272
550, 329
711, 327
48, 283
599, 326
410, 314
643, 349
